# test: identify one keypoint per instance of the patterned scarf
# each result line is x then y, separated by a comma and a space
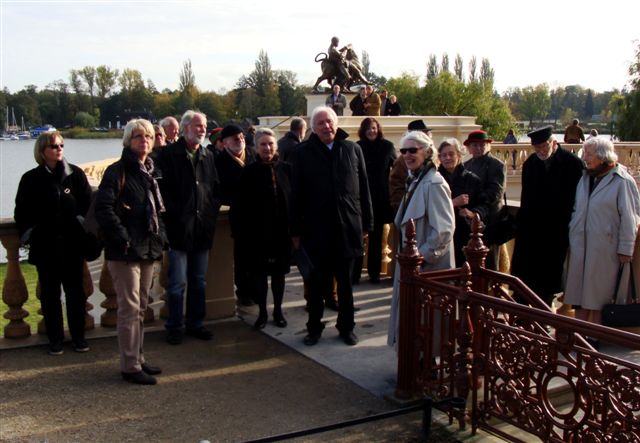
155, 204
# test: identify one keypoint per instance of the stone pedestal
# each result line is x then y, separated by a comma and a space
394, 127
220, 297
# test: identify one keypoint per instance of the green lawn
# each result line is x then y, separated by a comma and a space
32, 305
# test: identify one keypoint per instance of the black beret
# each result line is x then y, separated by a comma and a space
230, 130
540, 135
418, 125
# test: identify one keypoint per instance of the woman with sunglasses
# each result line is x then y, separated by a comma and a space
51, 203
128, 211
427, 201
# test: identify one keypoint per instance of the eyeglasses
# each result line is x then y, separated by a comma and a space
60, 146
404, 151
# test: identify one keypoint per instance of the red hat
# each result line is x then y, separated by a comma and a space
477, 136
214, 134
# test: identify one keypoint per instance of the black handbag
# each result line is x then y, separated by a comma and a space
622, 315
503, 229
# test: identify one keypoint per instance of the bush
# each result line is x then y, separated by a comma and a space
84, 120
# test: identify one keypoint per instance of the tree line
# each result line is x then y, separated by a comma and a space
93, 96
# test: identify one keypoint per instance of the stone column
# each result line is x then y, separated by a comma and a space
220, 298
87, 283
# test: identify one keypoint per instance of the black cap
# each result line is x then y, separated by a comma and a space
418, 125
540, 135
230, 130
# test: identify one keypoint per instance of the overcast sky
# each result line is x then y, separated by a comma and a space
555, 42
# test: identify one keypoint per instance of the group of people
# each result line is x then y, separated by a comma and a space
319, 197
366, 103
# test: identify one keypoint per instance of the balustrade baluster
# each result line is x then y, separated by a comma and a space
14, 291
109, 317
386, 250
410, 261
87, 284
164, 281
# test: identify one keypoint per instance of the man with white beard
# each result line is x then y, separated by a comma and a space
229, 164
191, 192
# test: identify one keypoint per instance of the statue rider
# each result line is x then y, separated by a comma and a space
336, 58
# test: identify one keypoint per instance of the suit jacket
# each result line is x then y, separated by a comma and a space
337, 103
330, 202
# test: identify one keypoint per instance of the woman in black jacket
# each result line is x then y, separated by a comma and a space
259, 224
379, 155
128, 208
466, 193
51, 202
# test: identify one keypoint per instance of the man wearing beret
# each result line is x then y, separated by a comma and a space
230, 163
549, 180
492, 175
191, 193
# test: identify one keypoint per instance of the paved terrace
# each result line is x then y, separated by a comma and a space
243, 385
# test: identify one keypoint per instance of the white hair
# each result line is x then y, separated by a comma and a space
332, 114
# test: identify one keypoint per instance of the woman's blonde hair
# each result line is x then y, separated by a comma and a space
44, 140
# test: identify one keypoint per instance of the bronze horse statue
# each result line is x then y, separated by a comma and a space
332, 74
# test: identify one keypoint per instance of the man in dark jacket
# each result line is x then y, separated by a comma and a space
296, 133
490, 170
549, 180
191, 193
230, 164
330, 213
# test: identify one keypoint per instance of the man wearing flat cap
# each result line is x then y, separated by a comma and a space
492, 176
549, 179
230, 163
191, 193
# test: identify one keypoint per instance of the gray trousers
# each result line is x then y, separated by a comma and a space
132, 282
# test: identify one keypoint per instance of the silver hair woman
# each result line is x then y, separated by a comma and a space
602, 231
428, 203
466, 194
128, 211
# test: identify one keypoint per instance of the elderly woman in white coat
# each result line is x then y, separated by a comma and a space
602, 231
428, 202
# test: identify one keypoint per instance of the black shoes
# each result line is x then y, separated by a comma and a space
151, 370
55, 348
311, 339
139, 378
279, 320
260, 323
349, 338
174, 336
201, 333
80, 346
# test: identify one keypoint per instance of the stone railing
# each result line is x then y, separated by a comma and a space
220, 298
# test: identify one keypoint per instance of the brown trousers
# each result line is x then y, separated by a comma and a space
132, 282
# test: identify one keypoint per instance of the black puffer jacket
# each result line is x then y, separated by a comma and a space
122, 209
191, 196
48, 203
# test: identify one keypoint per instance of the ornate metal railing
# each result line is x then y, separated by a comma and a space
462, 336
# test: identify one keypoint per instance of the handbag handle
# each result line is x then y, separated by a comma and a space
633, 286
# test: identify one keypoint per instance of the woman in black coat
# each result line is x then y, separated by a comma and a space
466, 193
259, 224
379, 156
128, 209
51, 202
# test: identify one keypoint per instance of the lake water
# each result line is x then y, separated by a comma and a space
16, 158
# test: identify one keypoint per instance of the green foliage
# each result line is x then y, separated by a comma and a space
406, 88
626, 110
84, 120
535, 103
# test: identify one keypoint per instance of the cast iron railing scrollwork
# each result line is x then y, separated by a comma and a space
501, 357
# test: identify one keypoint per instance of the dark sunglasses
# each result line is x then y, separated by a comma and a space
60, 146
404, 151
